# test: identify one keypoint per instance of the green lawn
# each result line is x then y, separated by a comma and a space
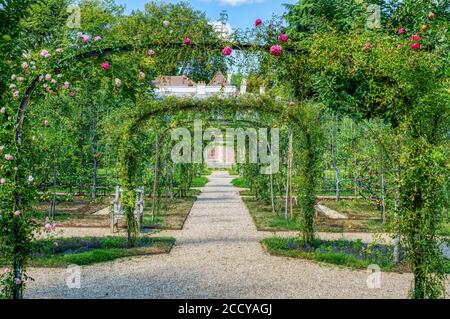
240, 182
199, 181
63, 252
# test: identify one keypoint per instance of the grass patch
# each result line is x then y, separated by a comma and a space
173, 217
353, 254
356, 208
199, 181
240, 182
265, 220
63, 252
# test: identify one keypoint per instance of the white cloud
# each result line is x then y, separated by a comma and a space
225, 31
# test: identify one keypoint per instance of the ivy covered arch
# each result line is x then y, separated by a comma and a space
304, 119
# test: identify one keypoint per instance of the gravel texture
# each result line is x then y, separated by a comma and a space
217, 255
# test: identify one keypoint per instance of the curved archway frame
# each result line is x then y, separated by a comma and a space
149, 109
17, 195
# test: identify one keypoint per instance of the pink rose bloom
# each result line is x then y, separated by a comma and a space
227, 51
367, 47
17, 281
187, 41
85, 38
54, 81
151, 52
17, 213
415, 37
291, 104
401, 30
431, 15
276, 50
97, 38
48, 77
66, 85
9, 157
16, 94
59, 50
105, 66
2, 181
118, 82
415, 46
258, 22
20, 79
25, 66
48, 226
72, 94
166, 24
45, 54
284, 37
30, 179
45, 122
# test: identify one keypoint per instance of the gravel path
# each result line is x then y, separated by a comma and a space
217, 255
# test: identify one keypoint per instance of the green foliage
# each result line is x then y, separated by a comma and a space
240, 182
355, 254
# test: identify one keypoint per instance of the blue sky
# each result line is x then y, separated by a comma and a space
241, 13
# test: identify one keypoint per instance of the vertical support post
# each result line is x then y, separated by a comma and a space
291, 161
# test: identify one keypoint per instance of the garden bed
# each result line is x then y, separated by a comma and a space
62, 252
265, 220
173, 218
352, 254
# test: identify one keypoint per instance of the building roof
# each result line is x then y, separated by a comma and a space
182, 80
219, 80
179, 80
